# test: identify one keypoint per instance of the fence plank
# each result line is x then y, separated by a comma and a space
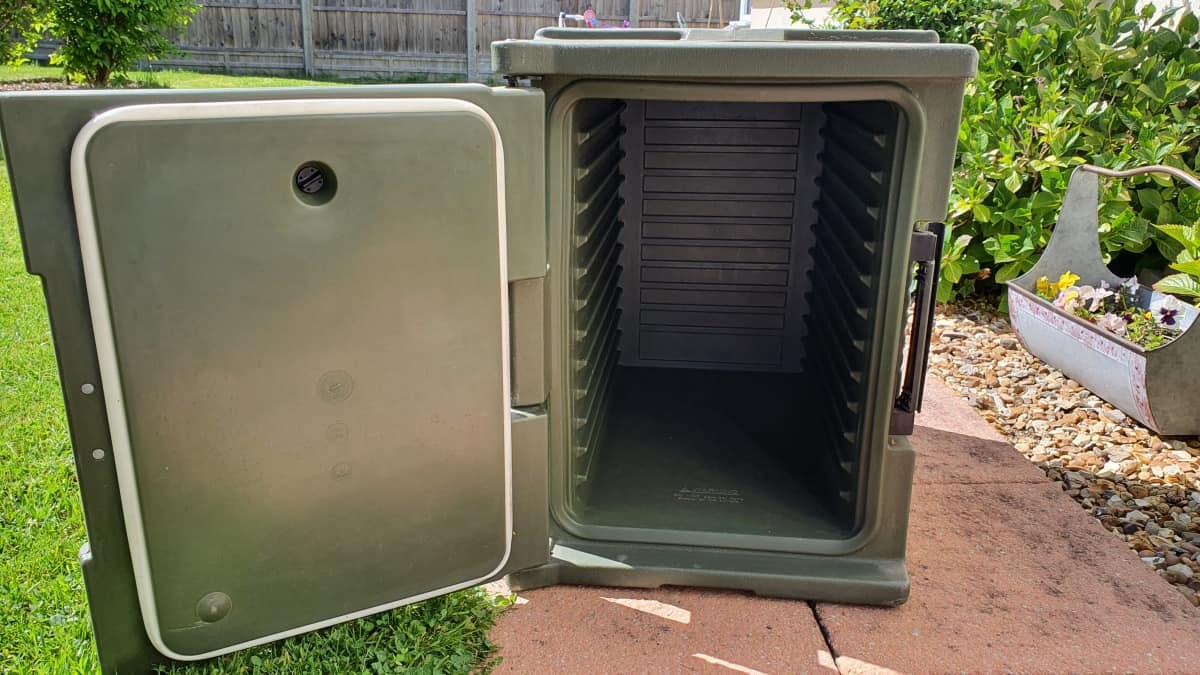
397, 38
472, 46
306, 36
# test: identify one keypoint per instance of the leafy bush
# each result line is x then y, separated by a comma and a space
103, 38
1184, 254
954, 20
21, 24
1061, 84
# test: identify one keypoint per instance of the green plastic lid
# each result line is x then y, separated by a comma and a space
736, 54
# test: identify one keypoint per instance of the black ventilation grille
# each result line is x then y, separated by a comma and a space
856, 183
596, 275
720, 219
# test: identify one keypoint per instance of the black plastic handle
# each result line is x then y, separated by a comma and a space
927, 254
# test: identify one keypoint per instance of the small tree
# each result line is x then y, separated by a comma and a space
21, 25
102, 38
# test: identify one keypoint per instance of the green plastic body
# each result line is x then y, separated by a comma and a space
920, 78
313, 283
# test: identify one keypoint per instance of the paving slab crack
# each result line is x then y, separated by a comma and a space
833, 657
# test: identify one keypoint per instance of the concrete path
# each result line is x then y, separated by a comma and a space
1008, 574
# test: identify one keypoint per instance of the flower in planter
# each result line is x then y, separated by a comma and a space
1051, 290
1115, 310
1131, 289
1095, 297
1166, 310
1068, 300
1112, 323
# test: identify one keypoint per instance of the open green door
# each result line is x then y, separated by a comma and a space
301, 315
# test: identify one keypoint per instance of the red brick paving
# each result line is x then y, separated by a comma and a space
570, 629
1008, 574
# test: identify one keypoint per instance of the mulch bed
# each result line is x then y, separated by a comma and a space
39, 85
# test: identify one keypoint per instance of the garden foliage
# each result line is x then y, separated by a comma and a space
954, 20
1060, 86
1062, 83
103, 38
1183, 250
21, 24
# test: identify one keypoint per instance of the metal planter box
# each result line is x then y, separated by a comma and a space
634, 319
1153, 386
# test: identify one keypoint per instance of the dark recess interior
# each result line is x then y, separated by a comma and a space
725, 258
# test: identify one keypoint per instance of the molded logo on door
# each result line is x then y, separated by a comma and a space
709, 495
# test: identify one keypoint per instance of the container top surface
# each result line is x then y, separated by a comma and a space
735, 54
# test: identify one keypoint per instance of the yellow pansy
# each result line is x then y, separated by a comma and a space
1067, 280
1045, 288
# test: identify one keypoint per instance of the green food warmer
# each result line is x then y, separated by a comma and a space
635, 318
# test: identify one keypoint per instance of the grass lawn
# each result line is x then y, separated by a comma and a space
175, 79
30, 72
44, 623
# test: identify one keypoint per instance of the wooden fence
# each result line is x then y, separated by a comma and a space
443, 39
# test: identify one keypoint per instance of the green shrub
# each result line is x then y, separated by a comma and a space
21, 24
1183, 249
1061, 84
103, 38
954, 20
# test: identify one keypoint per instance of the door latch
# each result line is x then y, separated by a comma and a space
926, 258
